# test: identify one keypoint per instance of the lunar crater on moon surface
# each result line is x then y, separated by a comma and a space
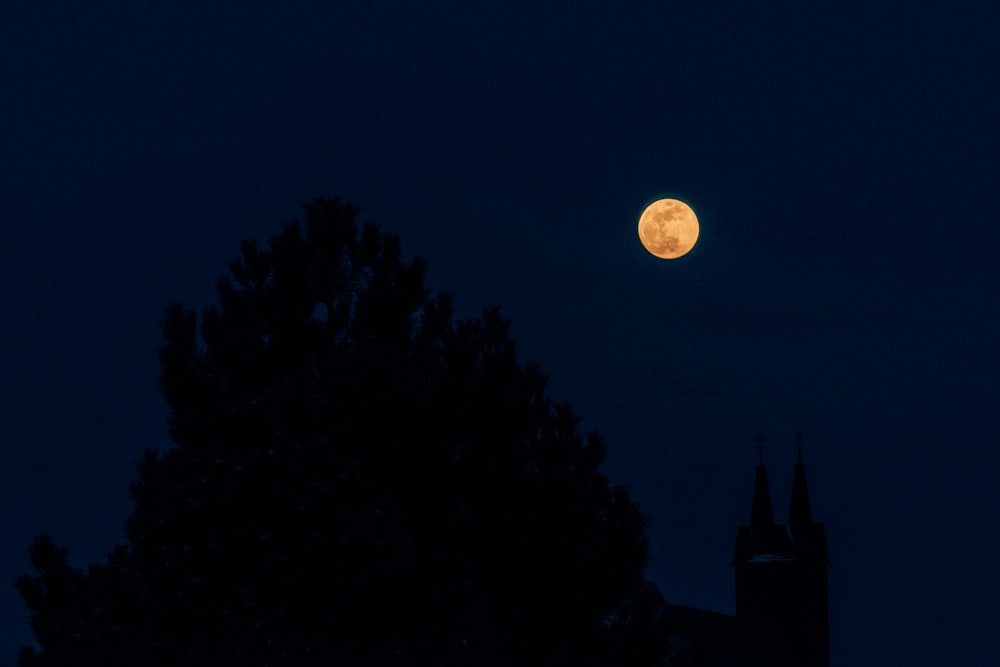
668, 228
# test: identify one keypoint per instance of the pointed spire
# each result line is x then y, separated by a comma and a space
799, 514
761, 515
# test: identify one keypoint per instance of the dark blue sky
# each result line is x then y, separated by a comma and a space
843, 161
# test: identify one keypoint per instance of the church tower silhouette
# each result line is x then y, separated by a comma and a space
781, 570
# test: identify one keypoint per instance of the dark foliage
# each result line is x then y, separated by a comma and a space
357, 480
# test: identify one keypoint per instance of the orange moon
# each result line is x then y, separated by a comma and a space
668, 228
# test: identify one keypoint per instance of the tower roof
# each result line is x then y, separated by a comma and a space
799, 513
765, 542
761, 514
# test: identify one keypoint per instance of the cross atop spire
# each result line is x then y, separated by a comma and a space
798, 444
760, 447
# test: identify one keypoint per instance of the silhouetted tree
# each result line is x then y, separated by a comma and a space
357, 479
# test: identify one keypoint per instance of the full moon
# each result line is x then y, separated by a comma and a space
668, 228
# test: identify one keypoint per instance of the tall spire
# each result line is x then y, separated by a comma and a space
761, 515
799, 514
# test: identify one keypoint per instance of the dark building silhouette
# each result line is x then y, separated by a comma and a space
782, 602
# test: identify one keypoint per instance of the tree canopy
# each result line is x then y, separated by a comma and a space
358, 478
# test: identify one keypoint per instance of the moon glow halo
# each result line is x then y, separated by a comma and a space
668, 228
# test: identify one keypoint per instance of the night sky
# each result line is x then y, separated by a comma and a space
842, 158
